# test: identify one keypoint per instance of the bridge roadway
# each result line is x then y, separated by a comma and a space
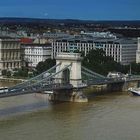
37, 89
46, 82
57, 86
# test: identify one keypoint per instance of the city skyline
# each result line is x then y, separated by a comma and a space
74, 9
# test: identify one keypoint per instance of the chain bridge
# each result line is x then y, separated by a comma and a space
65, 80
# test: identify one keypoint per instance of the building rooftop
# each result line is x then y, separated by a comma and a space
82, 39
37, 44
99, 34
26, 40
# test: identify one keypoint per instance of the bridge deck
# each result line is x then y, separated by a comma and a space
47, 82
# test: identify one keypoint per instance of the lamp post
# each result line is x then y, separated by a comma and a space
130, 71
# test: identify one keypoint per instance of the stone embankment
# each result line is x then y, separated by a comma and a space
11, 79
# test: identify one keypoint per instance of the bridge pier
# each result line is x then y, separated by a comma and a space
70, 75
68, 96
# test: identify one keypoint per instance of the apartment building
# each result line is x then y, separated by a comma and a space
34, 53
122, 50
10, 53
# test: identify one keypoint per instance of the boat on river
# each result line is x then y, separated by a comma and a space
48, 92
134, 91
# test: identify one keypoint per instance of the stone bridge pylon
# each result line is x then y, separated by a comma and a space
70, 64
71, 74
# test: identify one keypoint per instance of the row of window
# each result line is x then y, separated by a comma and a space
10, 46
37, 56
7, 65
85, 44
33, 52
34, 60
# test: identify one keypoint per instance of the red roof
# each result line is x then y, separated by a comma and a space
26, 40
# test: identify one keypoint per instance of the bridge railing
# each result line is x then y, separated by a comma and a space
88, 71
34, 79
48, 83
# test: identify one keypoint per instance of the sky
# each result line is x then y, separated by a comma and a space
72, 9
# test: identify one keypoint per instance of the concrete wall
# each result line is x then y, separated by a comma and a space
123, 86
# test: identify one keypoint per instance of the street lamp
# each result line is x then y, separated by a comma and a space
130, 71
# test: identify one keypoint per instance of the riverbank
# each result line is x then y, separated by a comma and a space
4, 79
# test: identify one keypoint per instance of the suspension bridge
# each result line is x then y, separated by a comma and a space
67, 76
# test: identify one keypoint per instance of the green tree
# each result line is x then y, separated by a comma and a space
21, 72
97, 61
4, 72
8, 74
135, 68
43, 66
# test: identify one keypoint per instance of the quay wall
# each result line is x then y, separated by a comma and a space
11, 80
113, 87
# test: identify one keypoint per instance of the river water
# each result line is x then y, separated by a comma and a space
107, 116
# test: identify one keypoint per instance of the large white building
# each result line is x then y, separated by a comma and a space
34, 53
122, 50
10, 54
99, 34
138, 51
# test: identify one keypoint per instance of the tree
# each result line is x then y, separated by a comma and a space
4, 72
43, 66
8, 74
21, 72
135, 68
97, 61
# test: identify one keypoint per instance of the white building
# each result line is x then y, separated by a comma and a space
99, 34
138, 51
34, 53
55, 35
122, 50
10, 53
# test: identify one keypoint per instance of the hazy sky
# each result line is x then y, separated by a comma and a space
72, 9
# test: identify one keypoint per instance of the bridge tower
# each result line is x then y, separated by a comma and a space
72, 74
70, 64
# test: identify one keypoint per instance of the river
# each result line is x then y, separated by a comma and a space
108, 116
